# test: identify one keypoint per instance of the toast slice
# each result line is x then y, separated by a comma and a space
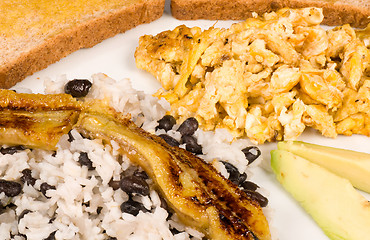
336, 12
35, 33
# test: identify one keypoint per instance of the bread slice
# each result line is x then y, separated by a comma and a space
36, 33
336, 12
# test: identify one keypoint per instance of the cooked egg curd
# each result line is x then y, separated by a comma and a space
267, 78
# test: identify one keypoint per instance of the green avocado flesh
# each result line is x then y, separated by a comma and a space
355, 166
336, 206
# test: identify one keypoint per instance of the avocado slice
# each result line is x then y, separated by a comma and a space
355, 166
336, 206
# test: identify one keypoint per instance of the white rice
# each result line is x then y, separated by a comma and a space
71, 210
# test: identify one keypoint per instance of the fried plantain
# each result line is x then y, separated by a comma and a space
200, 196
36, 120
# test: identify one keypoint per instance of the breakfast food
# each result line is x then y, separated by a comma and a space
35, 33
88, 187
45, 117
340, 210
340, 12
352, 165
267, 78
194, 190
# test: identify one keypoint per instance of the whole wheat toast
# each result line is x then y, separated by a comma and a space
37, 33
336, 12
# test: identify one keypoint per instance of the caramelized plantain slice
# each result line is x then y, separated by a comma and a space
200, 196
36, 120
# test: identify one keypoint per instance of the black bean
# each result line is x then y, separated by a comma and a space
52, 220
86, 204
170, 140
114, 184
132, 207
44, 187
262, 200
10, 188
78, 87
164, 204
141, 174
2, 208
251, 153
84, 160
11, 150
248, 185
27, 177
51, 236
70, 137
134, 184
23, 213
174, 231
166, 123
233, 172
188, 127
11, 205
22, 235
242, 178
191, 144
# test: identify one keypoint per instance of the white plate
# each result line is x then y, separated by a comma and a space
115, 57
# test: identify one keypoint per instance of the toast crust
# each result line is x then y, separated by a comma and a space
336, 12
84, 35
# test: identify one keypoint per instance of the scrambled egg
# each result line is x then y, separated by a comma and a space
267, 78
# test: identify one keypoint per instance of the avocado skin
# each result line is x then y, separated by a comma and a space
338, 208
355, 166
